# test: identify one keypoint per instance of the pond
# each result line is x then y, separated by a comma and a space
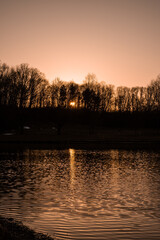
83, 194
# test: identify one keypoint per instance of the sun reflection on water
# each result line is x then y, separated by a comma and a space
72, 165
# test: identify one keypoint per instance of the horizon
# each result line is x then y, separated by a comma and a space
83, 80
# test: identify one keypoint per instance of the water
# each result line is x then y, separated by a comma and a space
83, 194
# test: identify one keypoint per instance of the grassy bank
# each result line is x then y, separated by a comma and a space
14, 230
79, 136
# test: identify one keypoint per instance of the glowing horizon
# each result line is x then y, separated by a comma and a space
118, 40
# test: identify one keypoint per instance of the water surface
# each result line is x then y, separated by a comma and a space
83, 194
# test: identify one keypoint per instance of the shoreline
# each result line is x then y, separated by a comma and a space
11, 229
81, 144
76, 138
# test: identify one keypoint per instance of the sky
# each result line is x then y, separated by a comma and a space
118, 40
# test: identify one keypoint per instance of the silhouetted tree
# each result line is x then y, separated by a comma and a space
63, 96
154, 94
55, 88
4, 83
42, 96
36, 79
72, 93
23, 80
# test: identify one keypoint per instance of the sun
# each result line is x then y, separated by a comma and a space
72, 104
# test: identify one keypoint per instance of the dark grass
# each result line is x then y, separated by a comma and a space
81, 136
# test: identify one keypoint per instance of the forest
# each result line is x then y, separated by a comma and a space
26, 94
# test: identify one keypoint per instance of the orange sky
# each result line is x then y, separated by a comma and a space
118, 40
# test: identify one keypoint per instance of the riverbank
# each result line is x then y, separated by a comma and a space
15, 230
78, 137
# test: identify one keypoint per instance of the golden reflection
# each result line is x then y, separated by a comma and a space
72, 165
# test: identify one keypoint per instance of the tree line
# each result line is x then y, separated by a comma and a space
26, 87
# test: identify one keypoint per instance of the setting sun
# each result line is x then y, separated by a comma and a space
72, 104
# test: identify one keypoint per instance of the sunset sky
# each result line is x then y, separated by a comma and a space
118, 40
